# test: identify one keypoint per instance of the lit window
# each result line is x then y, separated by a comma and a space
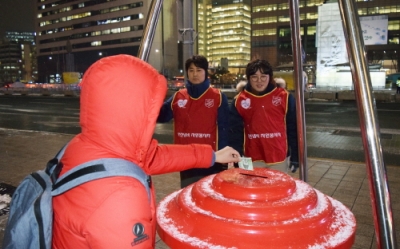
125, 29
311, 30
312, 16
394, 25
96, 43
115, 20
115, 31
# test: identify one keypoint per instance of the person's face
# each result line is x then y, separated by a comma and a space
259, 81
196, 75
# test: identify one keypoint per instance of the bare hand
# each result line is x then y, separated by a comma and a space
227, 155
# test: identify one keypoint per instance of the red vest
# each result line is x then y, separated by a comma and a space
195, 120
264, 120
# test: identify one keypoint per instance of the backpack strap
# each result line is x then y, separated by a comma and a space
97, 169
53, 167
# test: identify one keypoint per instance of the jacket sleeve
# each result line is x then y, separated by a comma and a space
166, 113
161, 159
291, 129
236, 129
223, 122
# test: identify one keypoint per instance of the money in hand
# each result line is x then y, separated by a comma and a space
246, 163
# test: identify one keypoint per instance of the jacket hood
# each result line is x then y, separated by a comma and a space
121, 97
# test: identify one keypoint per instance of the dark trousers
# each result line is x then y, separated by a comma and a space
398, 90
193, 175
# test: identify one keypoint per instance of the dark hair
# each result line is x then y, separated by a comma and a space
198, 61
262, 65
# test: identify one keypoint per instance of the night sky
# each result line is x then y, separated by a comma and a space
16, 15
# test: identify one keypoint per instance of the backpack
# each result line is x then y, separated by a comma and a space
30, 220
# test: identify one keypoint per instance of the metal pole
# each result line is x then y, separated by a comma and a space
379, 190
298, 78
149, 31
188, 29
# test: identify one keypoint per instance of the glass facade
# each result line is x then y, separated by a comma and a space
77, 21
88, 28
271, 32
224, 33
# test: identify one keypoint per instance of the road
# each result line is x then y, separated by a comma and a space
333, 121
50, 114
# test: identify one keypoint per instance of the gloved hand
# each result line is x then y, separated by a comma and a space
293, 166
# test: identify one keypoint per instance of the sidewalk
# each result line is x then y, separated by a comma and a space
22, 152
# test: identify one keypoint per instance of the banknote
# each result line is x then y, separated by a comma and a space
246, 163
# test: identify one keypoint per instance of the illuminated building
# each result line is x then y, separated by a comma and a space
20, 36
229, 32
18, 57
271, 33
224, 33
74, 34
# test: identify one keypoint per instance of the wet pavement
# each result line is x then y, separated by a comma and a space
22, 152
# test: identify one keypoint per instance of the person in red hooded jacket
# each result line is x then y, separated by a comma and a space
120, 100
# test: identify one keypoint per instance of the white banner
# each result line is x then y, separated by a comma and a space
374, 29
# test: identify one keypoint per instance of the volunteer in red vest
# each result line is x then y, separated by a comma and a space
200, 114
263, 120
119, 104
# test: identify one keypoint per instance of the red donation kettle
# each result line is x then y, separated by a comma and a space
268, 209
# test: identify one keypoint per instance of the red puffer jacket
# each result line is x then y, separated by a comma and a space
120, 100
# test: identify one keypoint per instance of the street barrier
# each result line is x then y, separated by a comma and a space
43, 90
382, 97
346, 95
310, 95
330, 96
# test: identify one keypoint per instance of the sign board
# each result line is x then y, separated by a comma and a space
71, 77
374, 29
